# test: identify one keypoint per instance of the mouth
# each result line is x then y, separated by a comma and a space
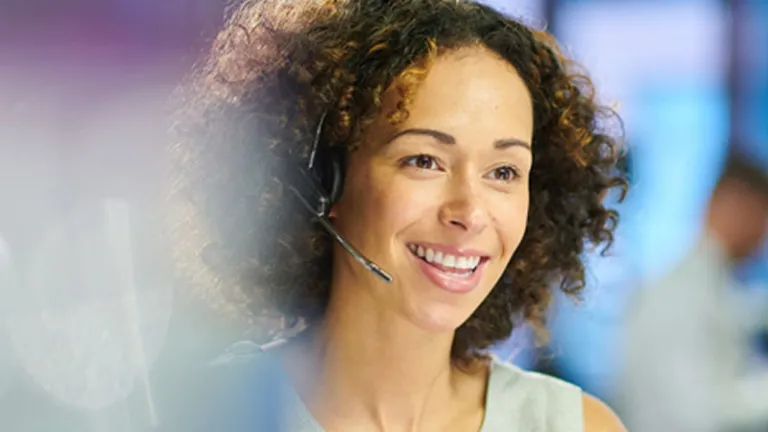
452, 271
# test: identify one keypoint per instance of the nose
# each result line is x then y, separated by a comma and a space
464, 209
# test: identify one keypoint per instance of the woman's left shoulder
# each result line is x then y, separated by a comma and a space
551, 403
599, 417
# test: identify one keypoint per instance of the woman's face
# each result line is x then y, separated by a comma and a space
441, 201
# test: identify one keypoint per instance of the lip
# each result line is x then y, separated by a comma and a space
447, 281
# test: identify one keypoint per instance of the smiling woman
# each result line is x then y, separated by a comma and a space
474, 171
446, 181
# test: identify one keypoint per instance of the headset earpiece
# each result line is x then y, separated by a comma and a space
330, 165
319, 184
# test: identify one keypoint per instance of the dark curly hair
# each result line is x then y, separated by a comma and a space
277, 66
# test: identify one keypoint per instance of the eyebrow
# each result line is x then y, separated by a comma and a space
445, 138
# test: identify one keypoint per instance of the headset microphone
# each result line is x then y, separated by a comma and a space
319, 185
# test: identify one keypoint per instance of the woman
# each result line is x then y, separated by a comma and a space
474, 176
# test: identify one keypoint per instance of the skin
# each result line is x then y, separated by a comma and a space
738, 218
381, 358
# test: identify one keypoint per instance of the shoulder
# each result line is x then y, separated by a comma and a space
527, 400
544, 402
554, 395
507, 376
598, 417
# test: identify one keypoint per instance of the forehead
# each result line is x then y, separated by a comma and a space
470, 93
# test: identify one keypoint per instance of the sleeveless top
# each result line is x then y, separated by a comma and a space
252, 392
516, 400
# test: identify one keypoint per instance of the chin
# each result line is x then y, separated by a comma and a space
437, 311
439, 317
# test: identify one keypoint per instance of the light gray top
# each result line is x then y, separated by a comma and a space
516, 400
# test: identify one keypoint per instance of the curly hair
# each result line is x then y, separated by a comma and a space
277, 66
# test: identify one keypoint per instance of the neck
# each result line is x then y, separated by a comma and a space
371, 366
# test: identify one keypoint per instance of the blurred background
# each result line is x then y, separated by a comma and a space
88, 316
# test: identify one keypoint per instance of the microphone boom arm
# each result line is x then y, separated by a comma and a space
320, 211
368, 264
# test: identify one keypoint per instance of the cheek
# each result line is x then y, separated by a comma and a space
511, 219
377, 201
754, 218
400, 205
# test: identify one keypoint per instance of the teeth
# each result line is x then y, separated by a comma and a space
462, 263
430, 255
437, 257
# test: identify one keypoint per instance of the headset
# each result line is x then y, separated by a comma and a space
319, 185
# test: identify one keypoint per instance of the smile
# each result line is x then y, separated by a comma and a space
448, 268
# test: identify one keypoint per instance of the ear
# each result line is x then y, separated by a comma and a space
332, 213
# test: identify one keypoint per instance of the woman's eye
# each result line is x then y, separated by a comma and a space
421, 161
505, 174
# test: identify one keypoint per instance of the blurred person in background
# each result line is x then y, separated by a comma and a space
687, 337
474, 171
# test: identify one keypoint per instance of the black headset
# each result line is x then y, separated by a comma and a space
320, 183
328, 164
